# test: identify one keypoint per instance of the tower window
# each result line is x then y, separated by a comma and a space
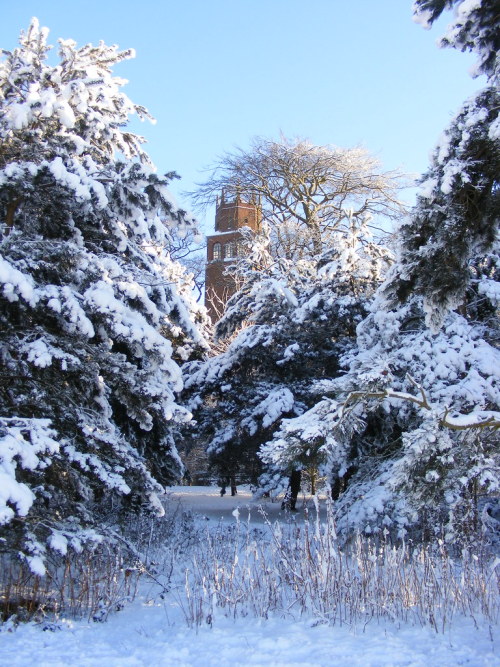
217, 252
229, 250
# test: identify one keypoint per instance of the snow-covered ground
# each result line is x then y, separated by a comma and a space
153, 634
151, 631
207, 501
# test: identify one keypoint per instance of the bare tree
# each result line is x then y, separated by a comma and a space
307, 193
195, 264
186, 248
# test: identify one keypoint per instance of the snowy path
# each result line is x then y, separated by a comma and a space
208, 503
153, 632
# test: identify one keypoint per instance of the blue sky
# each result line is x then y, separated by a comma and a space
215, 73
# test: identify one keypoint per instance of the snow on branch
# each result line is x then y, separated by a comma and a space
24, 443
456, 422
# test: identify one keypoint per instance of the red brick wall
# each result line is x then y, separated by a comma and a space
218, 288
229, 218
237, 214
222, 239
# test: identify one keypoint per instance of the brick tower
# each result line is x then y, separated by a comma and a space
223, 248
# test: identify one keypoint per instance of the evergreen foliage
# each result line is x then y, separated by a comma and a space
95, 316
474, 28
286, 330
408, 437
456, 218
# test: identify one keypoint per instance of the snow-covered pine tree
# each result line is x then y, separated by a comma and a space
290, 323
409, 436
95, 317
418, 434
457, 213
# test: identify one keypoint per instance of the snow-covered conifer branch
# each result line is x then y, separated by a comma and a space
96, 316
458, 422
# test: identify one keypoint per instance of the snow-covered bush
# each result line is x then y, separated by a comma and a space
95, 316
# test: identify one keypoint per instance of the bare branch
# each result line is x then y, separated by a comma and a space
316, 187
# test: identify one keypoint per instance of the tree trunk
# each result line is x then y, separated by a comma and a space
234, 491
316, 239
295, 479
10, 212
312, 474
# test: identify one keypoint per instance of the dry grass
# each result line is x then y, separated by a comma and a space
98, 579
89, 584
285, 570
300, 571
